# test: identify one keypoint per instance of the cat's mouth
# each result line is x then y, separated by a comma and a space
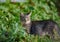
27, 22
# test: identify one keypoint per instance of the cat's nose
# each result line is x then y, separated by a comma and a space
26, 19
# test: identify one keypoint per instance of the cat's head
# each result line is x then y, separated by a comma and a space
25, 18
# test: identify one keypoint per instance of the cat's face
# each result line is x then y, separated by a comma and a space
24, 18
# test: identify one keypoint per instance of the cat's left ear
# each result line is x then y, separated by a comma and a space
29, 14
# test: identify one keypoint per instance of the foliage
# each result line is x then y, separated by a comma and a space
10, 28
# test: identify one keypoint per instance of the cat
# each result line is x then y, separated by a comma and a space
43, 27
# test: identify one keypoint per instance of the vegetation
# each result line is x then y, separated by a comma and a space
10, 28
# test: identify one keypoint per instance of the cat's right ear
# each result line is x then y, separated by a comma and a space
21, 14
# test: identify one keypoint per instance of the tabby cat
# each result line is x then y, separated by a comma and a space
44, 27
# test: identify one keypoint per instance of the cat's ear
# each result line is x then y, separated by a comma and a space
21, 14
29, 14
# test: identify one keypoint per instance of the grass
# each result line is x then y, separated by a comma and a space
10, 28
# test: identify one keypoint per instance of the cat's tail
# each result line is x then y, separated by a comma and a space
56, 31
